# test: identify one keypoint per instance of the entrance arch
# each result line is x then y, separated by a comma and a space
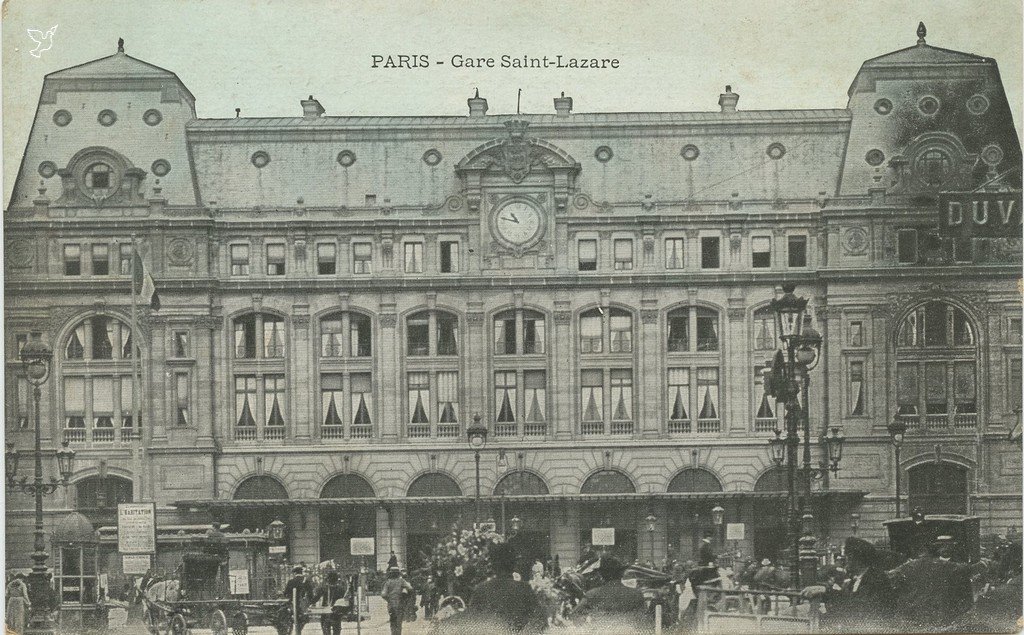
257, 488
339, 523
689, 520
769, 524
619, 515
426, 525
938, 488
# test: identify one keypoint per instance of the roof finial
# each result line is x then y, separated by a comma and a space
921, 32
238, 113
476, 93
120, 45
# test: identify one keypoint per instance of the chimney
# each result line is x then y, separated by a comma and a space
563, 105
728, 99
311, 108
477, 105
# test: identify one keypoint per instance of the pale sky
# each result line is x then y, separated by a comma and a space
264, 56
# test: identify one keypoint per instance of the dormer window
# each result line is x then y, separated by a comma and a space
98, 179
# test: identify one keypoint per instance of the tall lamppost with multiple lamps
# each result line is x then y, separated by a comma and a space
36, 358
477, 435
652, 524
897, 428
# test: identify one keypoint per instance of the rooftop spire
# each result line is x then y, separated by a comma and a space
120, 45
921, 32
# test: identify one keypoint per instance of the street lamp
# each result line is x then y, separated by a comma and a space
36, 358
718, 518
516, 523
652, 521
477, 435
897, 428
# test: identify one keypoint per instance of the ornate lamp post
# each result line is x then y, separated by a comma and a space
477, 435
35, 360
718, 518
276, 532
652, 522
897, 428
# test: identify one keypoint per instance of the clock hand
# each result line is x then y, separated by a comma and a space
513, 219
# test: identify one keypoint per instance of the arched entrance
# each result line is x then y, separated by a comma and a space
97, 497
257, 517
770, 529
533, 539
938, 488
689, 520
339, 523
619, 515
426, 525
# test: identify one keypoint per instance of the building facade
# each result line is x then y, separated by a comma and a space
342, 296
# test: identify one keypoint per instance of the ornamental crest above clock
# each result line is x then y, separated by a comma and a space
517, 224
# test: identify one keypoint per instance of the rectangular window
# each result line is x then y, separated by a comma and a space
856, 333
447, 335
764, 331
590, 334
275, 259
449, 256
239, 260
797, 251
674, 252
707, 394
907, 389
418, 335
414, 257
1016, 387
362, 257
709, 248
1014, 334
505, 396
707, 330
72, 260
362, 399
621, 333
371, 200
533, 335
419, 398
622, 395
331, 401
505, 336
678, 399
761, 252
245, 401
359, 330
245, 339
447, 397
127, 407
906, 246
273, 401
103, 407
965, 391
935, 393
535, 383
679, 331
623, 254
124, 259
273, 338
74, 402
100, 260
592, 395
856, 389
179, 344
587, 255
765, 417
181, 400
326, 259
330, 338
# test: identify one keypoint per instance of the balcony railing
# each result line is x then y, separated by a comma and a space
74, 435
965, 420
103, 435
505, 429
590, 428
130, 434
273, 433
245, 433
941, 422
448, 430
679, 426
765, 424
419, 430
361, 431
535, 429
622, 427
332, 432
709, 425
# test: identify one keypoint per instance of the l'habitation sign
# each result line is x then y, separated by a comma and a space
981, 214
136, 527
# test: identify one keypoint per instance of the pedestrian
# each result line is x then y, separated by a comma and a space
298, 591
331, 593
18, 604
395, 591
393, 560
932, 591
556, 568
706, 553
613, 607
429, 598
862, 601
502, 604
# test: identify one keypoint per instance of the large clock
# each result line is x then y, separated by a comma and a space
518, 223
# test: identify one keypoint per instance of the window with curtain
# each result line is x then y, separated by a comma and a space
592, 395
707, 393
181, 399
587, 255
674, 252
707, 330
331, 399
419, 397
103, 402
362, 257
102, 346
326, 259
447, 397
535, 383
761, 252
273, 336
100, 259
273, 399
361, 335
964, 388
679, 330
621, 331
275, 259
856, 389
74, 402
127, 407
414, 257
417, 329
533, 333
75, 348
239, 260
623, 248
245, 401
764, 330
678, 394
330, 338
907, 388
447, 334
622, 394
362, 398
505, 396
590, 332
936, 402
505, 333
765, 410
72, 260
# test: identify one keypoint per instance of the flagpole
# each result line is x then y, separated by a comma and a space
136, 348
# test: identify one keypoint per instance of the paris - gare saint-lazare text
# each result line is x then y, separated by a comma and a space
503, 61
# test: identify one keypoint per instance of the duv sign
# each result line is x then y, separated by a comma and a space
981, 214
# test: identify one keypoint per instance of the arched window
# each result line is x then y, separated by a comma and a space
606, 402
936, 368
259, 517
102, 493
434, 484
608, 482
520, 482
432, 385
346, 376
695, 480
775, 479
606, 330
938, 488
519, 332
97, 398
767, 413
333, 339
694, 370
261, 410
520, 375
259, 335
347, 486
340, 523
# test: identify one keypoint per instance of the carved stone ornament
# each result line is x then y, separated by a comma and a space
388, 320
975, 303
300, 321
211, 322
737, 313
855, 240
563, 317
649, 316
648, 244
475, 318
181, 252
98, 176
19, 253
735, 241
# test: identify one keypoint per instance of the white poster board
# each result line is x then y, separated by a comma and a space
602, 536
362, 546
278, 549
136, 527
135, 564
238, 580
735, 531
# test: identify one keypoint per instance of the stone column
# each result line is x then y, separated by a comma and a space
388, 380
562, 379
302, 380
737, 373
649, 378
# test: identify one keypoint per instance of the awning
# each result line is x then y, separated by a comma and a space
221, 504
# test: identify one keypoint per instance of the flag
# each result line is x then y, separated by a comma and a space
144, 283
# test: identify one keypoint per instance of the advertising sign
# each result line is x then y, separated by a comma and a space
602, 536
136, 527
735, 531
981, 214
362, 546
135, 564
238, 580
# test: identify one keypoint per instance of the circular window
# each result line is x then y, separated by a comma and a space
99, 179
346, 158
874, 157
160, 167
992, 155
62, 118
431, 157
977, 104
933, 166
260, 159
603, 154
47, 169
883, 106
106, 117
776, 151
690, 152
152, 117
928, 105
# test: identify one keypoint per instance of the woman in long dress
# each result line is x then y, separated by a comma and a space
18, 604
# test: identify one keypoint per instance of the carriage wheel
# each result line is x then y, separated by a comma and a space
150, 619
240, 624
177, 625
219, 623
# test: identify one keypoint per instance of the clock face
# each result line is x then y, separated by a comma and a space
518, 223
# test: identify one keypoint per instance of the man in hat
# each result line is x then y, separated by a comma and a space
503, 604
862, 603
706, 553
332, 589
298, 591
932, 592
615, 607
395, 591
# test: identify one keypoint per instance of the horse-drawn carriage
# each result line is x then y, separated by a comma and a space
200, 596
